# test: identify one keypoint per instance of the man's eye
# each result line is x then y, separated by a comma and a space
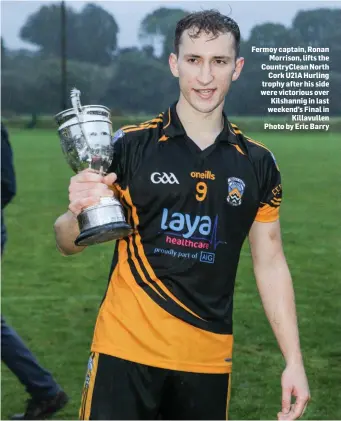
192, 60
220, 61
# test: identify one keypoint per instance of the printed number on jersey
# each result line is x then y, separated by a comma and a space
201, 189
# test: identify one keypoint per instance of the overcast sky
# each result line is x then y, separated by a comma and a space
128, 14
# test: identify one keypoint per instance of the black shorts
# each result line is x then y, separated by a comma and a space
117, 389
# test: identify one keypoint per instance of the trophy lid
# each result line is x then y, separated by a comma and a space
90, 113
80, 114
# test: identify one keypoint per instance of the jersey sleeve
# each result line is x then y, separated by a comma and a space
270, 189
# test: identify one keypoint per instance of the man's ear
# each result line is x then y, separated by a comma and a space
173, 64
238, 68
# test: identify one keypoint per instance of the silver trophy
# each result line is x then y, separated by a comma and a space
86, 139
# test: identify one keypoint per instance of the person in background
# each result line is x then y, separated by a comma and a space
47, 397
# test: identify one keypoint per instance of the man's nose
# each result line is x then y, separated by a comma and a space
205, 76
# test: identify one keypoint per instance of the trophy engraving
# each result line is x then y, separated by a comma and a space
85, 134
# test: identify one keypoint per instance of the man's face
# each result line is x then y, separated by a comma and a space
205, 68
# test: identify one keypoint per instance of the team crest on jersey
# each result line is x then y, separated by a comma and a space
89, 370
236, 188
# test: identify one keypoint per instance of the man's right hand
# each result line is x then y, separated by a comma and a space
87, 187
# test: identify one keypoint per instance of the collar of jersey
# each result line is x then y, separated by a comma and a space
173, 127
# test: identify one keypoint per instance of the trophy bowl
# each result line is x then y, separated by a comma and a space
85, 134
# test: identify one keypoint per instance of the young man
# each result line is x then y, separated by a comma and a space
193, 187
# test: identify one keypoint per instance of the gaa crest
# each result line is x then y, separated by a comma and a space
236, 188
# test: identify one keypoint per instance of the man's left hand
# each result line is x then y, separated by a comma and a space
294, 383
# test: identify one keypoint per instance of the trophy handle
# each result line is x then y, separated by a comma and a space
77, 107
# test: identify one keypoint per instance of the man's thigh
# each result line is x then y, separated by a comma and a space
196, 396
117, 389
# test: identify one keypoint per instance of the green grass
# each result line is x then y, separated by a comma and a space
52, 301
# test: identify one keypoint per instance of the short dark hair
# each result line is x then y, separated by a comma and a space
210, 22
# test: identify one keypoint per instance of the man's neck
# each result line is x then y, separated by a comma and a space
204, 124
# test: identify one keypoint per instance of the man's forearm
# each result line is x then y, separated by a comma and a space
277, 294
66, 231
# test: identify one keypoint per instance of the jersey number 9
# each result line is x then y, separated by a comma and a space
201, 188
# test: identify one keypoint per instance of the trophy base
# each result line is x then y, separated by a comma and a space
103, 233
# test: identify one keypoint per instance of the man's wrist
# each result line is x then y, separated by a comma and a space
294, 359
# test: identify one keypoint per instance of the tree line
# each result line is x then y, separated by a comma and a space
137, 80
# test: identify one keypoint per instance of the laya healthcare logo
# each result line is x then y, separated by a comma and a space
236, 188
193, 231
183, 223
163, 178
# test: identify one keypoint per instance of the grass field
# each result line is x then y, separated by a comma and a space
52, 301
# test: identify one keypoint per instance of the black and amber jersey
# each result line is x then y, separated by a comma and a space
170, 295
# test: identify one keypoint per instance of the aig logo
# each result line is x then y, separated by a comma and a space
163, 178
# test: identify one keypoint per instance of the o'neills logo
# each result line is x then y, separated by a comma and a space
207, 175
